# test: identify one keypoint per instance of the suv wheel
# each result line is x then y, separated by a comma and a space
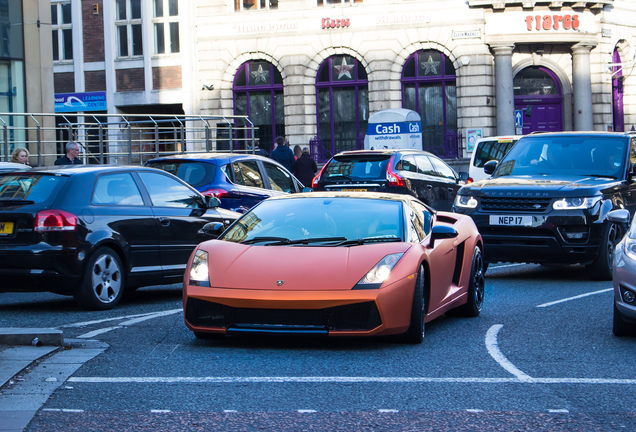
601, 267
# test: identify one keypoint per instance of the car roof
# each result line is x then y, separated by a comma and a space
368, 195
207, 156
383, 152
580, 133
77, 169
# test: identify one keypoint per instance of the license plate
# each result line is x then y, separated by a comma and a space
6, 228
353, 190
511, 220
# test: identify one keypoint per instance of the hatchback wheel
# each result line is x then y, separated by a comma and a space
103, 282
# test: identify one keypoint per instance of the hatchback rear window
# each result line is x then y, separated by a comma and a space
195, 173
357, 167
36, 188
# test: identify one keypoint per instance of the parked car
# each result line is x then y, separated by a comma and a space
92, 231
12, 166
624, 277
487, 149
414, 172
239, 180
548, 199
347, 264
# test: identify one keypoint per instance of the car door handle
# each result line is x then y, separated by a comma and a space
429, 186
164, 221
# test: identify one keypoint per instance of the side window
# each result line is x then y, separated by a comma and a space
168, 192
443, 169
250, 173
278, 179
424, 166
408, 164
423, 219
116, 189
233, 172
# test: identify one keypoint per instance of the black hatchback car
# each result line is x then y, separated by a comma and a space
547, 201
92, 231
414, 172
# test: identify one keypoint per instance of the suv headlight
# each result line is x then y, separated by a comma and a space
466, 201
575, 203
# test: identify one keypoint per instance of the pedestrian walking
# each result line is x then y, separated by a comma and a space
283, 154
306, 168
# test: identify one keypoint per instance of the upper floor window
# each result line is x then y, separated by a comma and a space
166, 26
128, 25
336, 2
243, 5
61, 26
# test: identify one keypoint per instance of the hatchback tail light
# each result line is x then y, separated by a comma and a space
316, 180
55, 220
393, 178
218, 193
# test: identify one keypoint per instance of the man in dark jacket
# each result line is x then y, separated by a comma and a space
284, 155
305, 168
72, 155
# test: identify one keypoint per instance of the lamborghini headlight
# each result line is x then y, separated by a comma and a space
575, 203
199, 270
379, 273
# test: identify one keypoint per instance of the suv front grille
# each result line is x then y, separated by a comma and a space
537, 205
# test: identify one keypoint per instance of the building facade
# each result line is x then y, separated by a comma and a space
314, 70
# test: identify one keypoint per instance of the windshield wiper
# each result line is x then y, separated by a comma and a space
365, 240
315, 240
278, 240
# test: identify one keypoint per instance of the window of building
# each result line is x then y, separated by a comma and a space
61, 26
429, 88
334, 2
166, 26
342, 99
245, 5
128, 26
258, 93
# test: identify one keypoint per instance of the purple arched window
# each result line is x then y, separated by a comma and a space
428, 87
342, 102
258, 93
617, 93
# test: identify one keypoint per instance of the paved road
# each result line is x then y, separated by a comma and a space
541, 357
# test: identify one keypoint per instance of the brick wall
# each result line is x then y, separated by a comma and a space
130, 80
167, 77
95, 81
64, 82
93, 31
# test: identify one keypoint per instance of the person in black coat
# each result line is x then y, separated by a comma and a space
305, 168
284, 155
72, 155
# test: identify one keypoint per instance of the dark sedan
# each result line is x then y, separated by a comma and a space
92, 231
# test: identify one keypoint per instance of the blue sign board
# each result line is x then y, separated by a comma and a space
518, 118
74, 102
394, 135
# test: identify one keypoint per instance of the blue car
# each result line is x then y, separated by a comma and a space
240, 181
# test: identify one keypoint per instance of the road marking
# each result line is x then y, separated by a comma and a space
230, 411
558, 411
474, 410
388, 411
337, 380
574, 298
158, 411
126, 317
306, 411
64, 410
131, 320
507, 265
493, 350
94, 333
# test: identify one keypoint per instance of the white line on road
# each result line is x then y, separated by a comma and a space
337, 380
493, 350
133, 319
94, 333
388, 411
574, 298
125, 317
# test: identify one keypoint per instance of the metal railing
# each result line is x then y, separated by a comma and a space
122, 138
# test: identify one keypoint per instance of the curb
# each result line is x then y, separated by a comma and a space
11, 336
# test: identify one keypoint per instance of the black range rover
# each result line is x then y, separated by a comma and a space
547, 201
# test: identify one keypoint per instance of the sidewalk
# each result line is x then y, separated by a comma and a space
30, 372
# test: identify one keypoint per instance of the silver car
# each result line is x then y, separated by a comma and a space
624, 273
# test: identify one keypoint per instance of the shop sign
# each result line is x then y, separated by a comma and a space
474, 34
552, 22
394, 135
328, 23
74, 102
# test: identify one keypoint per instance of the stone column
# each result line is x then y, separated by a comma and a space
504, 93
582, 87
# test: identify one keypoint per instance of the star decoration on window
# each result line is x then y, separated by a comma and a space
430, 66
260, 75
344, 69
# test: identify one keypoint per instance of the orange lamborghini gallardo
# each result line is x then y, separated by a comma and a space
335, 264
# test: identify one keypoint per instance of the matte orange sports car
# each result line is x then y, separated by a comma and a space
336, 264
